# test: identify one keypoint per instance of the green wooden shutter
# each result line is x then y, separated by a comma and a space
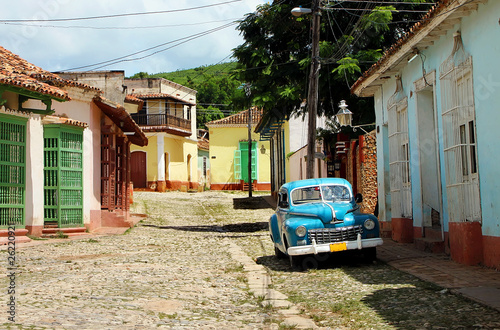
12, 170
63, 175
254, 161
237, 164
243, 160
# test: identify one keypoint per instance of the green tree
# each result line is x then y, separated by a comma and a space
275, 55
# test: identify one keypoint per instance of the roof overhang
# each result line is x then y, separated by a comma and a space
436, 23
149, 96
123, 120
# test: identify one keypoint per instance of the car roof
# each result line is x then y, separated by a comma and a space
312, 182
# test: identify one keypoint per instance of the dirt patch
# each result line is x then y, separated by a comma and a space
164, 306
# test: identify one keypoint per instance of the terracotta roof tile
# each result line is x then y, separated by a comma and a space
240, 118
203, 144
16, 71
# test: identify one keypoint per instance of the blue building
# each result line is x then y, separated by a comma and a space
437, 104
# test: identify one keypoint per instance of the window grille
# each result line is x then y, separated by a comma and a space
459, 135
12, 170
63, 175
399, 154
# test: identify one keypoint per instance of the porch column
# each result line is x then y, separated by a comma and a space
160, 148
34, 176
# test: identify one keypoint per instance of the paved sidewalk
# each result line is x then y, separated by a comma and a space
474, 282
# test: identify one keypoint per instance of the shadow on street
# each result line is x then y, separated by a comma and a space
251, 203
246, 227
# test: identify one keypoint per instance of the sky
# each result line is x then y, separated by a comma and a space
184, 35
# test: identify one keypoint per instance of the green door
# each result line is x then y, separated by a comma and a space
12, 170
63, 175
243, 160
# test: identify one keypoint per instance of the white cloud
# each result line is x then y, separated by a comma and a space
64, 48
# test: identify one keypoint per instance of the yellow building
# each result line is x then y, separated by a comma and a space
168, 118
229, 153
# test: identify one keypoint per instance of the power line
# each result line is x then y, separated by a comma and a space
124, 58
114, 27
115, 15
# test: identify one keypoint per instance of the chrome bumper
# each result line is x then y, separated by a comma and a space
325, 248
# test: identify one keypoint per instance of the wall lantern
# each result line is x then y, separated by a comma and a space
344, 116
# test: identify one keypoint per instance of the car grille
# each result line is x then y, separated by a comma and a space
329, 235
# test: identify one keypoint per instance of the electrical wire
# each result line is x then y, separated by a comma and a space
125, 59
115, 27
115, 15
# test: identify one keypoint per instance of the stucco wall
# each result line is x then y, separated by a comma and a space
178, 149
223, 143
480, 33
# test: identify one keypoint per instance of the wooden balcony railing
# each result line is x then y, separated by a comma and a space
161, 120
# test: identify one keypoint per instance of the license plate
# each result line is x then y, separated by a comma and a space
335, 247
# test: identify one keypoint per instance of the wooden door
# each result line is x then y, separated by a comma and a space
138, 169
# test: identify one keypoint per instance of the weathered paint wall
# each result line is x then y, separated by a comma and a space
480, 33
481, 37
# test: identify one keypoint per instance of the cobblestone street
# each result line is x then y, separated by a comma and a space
199, 262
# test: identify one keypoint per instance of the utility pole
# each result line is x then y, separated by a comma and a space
312, 96
248, 92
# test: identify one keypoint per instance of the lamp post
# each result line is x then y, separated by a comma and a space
312, 96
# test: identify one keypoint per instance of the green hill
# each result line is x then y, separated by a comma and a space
193, 77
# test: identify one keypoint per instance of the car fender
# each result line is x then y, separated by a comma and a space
274, 230
291, 224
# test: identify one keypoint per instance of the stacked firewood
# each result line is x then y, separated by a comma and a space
367, 182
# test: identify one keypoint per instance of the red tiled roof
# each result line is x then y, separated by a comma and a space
132, 99
441, 8
18, 72
240, 118
160, 96
203, 144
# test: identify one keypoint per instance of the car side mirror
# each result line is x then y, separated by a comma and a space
359, 198
283, 204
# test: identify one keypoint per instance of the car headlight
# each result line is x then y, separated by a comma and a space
369, 224
301, 231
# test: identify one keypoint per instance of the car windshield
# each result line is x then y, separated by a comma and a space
327, 193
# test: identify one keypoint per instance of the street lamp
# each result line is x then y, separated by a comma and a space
312, 95
344, 118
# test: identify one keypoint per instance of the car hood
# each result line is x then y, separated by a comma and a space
321, 210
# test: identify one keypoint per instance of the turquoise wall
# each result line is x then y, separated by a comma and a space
481, 38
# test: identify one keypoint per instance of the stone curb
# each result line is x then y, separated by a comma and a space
258, 284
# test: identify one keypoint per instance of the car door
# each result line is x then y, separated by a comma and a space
281, 214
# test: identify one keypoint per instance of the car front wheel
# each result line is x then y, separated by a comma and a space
370, 254
278, 253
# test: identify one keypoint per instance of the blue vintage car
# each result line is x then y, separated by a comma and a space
316, 217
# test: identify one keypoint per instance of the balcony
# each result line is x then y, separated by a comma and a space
163, 123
